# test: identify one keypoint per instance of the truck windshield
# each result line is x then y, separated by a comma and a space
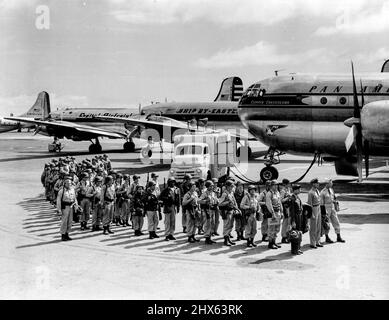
185, 150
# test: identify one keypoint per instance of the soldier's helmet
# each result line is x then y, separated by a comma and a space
151, 183
171, 180
229, 183
201, 180
208, 183
187, 177
252, 187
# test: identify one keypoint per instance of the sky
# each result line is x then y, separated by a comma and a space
116, 53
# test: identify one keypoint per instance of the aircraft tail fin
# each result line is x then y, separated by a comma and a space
41, 108
385, 66
231, 89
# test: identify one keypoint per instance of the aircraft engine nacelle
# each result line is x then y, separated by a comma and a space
375, 122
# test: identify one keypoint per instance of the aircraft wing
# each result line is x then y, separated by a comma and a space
158, 123
66, 125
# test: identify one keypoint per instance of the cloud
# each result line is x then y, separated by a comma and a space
363, 20
379, 55
225, 12
259, 54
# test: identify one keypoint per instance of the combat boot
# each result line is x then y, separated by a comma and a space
86, 225
137, 233
191, 239
284, 240
155, 235
98, 228
109, 230
230, 242
339, 238
184, 229
63, 237
171, 237
277, 245
105, 230
272, 245
249, 245
151, 235
82, 225
252, 242
226, 242
328, 239
264, 238
208, 240
127, 224
117, 222
67, 236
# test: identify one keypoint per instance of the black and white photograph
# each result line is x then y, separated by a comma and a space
217, 150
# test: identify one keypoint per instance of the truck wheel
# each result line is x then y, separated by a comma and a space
129, 146
268, 173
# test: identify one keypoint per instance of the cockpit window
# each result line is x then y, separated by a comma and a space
253, 91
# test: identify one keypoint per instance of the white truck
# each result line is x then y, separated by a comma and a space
203, 155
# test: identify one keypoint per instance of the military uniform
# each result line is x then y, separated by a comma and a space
274, 206
328, 199
151, 208
250, 207
138, 211
97, 210
65, 203
190, 206
285, 199
240, 219
209, 204
315, 220
171, 200
227, 205
264, 211
85, 193
107, 200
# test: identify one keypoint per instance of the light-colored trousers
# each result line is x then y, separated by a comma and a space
85, 204
190, 224
264, 226
108, 213
333, 216
285, 227
125, 210
152, 220
315, 226
66, 219
170, 223
251, 227
209, 225
138, 222
97, 215
228, 223
274, 226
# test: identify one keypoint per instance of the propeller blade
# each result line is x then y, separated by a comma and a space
363, 97
358, 128
357, 113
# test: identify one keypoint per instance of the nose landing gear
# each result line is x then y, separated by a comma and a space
271, 158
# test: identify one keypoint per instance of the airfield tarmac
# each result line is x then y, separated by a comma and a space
35, 264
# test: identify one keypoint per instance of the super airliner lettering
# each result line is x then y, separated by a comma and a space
207, 111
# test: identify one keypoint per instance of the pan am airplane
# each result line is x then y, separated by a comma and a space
312, 114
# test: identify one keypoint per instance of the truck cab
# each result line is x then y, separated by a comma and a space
204, 155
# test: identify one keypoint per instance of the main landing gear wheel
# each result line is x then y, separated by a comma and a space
147, 152
244, 150
269, 173
95, 148
129, 146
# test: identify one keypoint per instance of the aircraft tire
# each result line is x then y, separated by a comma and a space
269, 173
129, 146
147, 152
94, 148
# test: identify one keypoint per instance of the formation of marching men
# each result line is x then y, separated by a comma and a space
90, 192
